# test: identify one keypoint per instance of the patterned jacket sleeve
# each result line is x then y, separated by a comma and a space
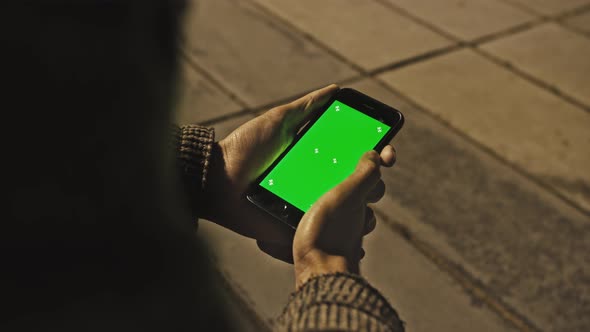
338, 302
193, 145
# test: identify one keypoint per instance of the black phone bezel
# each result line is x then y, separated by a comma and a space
283, 210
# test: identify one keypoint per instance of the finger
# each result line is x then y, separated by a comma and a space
388, 156
377, 192
280, 252
298, 111
365, 176
370, 221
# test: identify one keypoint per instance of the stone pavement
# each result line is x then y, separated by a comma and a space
486, 222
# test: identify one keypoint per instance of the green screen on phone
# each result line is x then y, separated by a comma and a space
326, 154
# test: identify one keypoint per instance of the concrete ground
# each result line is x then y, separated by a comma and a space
486, 222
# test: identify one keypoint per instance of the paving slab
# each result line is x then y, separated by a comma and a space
526, 247
253, 55
580, 21
466, 20
521, 122
550, 7
240, 316
425, 298
561, 60
365, 32
200, 100
262, 281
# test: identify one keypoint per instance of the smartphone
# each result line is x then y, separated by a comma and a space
323, 154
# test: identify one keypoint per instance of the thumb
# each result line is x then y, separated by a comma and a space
366, 175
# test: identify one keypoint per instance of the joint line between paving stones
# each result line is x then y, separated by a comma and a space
554, 89
574, 29
506, 32
185, 54
412, 60
474, 45
485, 148
462, 43
560, 15
226, 117
469, 283
244, 302
274, 103
561, 20
417, 20
307, 36
557, 18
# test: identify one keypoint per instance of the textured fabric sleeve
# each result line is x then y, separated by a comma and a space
193, 145
338, 302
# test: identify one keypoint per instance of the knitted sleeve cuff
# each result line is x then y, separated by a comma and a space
339, 301
193, 150
193, 145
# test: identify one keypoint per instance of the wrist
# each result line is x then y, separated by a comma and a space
215, 182
316, 264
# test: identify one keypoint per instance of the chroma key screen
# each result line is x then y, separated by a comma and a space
326, 155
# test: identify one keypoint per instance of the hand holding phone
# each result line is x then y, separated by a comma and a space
240, 157
329, 236
324, 154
